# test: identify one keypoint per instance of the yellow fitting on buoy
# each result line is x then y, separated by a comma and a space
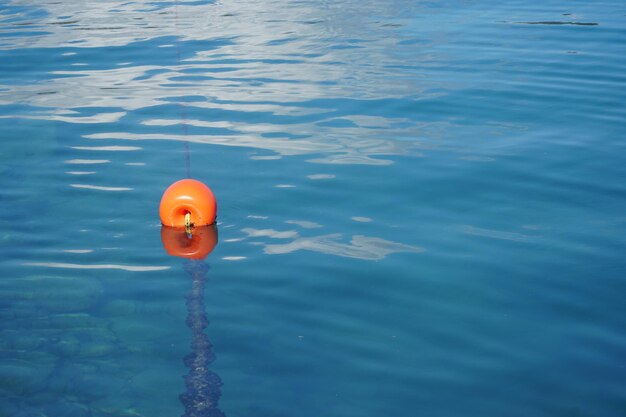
188, 223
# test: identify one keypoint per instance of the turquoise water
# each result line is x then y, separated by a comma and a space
422, 208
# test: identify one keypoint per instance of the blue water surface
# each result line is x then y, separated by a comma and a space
422, 208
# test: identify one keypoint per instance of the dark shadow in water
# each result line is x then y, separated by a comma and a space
202, 385
559, 23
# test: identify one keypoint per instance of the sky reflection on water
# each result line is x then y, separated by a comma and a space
421, 208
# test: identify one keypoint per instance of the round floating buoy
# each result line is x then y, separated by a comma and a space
196, 246
188, 203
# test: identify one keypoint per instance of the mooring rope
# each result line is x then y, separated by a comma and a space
181, 104
203, 386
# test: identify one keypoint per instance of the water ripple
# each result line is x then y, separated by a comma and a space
131, 268
464, 234
100, 188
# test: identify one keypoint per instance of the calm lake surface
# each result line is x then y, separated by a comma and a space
422, 208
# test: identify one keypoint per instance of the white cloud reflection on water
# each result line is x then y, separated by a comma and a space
130, 268
87, 161
361, 247
304, 224
97, 118
497, 234
235, 57
100, 188
284, 146
107, 148
274, 234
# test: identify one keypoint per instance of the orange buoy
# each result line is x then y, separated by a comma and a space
188, 203
197, 246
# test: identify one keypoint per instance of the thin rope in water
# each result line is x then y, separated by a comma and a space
203, 386
183, 109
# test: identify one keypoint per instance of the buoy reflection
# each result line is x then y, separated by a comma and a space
197, 246
202, 385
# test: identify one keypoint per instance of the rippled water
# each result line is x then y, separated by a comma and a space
421, 208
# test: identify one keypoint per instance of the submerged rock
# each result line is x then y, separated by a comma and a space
8, 406
19, 340
68, 377
23, 377
53, 293
67, 347
64, 323
67, 408
119, 405
139, 333
97, 349
26, 410
116, 308
114, 412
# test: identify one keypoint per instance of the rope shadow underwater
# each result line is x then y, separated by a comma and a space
202, 385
